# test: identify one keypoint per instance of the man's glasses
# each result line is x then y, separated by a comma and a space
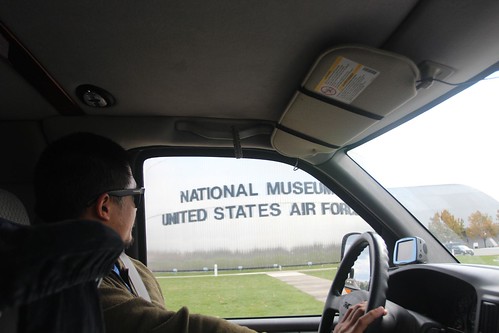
137, 194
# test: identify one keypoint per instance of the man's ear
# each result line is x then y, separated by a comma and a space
102, 207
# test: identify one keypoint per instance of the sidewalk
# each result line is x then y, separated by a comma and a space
311, 285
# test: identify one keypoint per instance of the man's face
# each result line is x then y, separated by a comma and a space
126, 219
123, 213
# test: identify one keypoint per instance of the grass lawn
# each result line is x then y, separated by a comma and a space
232, 296
481, 260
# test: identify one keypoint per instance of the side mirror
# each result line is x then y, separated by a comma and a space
360, 273
347, 241
410, 250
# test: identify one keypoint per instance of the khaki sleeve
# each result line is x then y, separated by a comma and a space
184, 322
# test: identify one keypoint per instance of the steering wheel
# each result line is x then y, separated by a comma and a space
378, 284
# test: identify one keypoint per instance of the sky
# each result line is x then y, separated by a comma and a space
454, 143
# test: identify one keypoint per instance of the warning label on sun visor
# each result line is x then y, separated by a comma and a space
345, 80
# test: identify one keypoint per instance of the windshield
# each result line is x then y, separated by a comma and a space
443, 167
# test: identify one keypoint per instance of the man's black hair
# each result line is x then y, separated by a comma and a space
74, 170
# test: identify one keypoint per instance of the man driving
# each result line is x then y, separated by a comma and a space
86, 176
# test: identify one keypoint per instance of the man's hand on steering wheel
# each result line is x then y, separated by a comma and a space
356, 319
336, 301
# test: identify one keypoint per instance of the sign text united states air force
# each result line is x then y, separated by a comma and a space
269, 208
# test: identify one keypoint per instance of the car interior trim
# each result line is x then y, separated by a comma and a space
32, 70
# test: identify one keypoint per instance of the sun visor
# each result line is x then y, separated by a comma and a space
348, 89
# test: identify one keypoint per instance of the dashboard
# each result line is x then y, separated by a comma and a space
455, 297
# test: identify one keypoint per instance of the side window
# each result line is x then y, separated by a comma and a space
242, 238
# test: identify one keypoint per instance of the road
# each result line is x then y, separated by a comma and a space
489, 251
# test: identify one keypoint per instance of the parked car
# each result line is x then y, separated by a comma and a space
460, 249
265, 131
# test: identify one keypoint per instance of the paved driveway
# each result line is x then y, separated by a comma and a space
311, 285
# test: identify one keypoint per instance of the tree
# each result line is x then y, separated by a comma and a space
456, 225
481, 226
446, 227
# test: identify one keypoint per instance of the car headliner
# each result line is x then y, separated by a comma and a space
217, 60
